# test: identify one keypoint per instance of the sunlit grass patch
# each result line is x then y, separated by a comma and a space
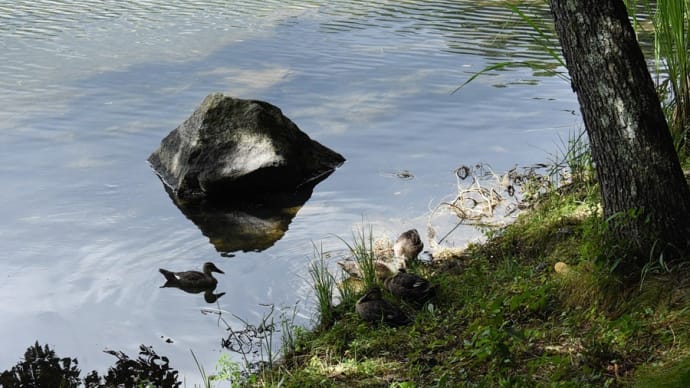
345, 370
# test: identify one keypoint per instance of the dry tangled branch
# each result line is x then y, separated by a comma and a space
486, 199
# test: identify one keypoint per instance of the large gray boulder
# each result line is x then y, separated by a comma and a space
231, 147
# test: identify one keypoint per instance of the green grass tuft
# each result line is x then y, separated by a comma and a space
323, 283
362, 249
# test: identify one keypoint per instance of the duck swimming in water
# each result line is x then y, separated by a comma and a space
408, 245
192, 281
373, 308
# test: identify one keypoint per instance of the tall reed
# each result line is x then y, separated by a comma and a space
362, 248
671, 49
323, 283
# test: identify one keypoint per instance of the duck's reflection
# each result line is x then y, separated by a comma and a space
195, 282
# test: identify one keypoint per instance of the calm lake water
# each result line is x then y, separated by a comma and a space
90, 87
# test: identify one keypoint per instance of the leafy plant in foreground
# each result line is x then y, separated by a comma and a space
41, 367
148, 369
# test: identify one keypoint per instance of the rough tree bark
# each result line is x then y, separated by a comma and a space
636, 163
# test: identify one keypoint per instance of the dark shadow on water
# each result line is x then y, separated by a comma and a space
246, 224
209, 295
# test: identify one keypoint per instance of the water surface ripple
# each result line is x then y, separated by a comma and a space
91, 87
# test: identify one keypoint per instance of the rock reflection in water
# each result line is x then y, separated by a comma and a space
245, 224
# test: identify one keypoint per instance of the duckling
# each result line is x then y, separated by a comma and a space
373, 308
408, 245
192, 281
410, 287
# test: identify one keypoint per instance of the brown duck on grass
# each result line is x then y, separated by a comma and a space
410, 287
408, 245
194, 281
373, 308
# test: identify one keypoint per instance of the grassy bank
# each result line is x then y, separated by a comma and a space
535, 305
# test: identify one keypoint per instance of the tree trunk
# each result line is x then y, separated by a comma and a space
636, 163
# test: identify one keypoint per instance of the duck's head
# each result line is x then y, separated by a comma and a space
410, 237
408, 245
374, 293
210, 267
